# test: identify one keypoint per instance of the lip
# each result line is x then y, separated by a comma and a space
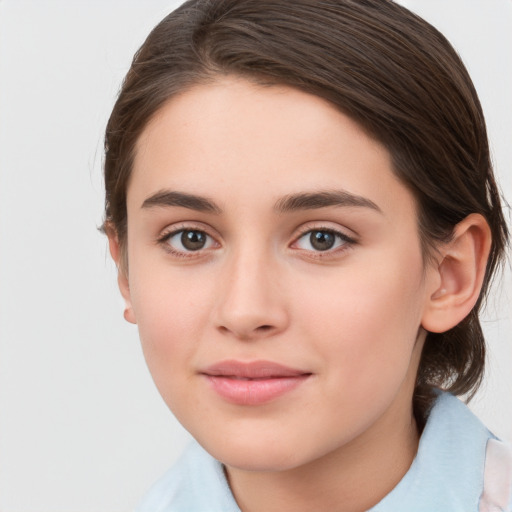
253, 383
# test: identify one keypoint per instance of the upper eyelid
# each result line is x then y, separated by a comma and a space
345, 238
325, 226
185, 226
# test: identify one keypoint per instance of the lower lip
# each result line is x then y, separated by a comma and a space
254, 391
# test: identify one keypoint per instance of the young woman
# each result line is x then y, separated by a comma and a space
301, 204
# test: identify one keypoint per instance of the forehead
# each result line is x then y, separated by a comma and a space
234, 139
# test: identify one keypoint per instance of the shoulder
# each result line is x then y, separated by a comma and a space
456, 466
495, 471
497, 489
195, 482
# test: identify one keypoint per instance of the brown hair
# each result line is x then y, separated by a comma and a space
386, 68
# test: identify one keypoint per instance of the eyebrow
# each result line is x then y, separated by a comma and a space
322, 199
165, 198
288, 203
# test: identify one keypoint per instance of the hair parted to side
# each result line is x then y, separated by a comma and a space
380, 64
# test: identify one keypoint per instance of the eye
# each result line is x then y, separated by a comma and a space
188, 240
321, 240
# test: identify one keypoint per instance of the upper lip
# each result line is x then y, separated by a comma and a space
252, 370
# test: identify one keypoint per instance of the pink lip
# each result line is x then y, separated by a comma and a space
253, 383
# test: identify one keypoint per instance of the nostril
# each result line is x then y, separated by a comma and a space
264, 328
248, 332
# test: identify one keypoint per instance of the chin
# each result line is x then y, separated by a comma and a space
254, 454
257, 460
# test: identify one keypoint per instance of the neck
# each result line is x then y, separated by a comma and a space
353, 478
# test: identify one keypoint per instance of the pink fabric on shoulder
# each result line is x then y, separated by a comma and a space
497, 493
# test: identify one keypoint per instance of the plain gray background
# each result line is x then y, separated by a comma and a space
81, 426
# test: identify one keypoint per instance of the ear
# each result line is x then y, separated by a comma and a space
459, 275
116, 252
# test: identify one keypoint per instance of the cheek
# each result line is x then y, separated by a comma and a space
172, 313
366, 320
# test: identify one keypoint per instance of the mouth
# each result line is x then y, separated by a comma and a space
253, 383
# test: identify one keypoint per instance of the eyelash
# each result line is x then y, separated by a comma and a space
344, 242
167, 236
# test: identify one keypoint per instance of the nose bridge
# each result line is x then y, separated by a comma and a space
249, 302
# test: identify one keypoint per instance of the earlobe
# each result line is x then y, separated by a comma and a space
122, 275
122, 281
459, 275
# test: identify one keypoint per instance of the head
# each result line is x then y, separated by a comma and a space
392, 75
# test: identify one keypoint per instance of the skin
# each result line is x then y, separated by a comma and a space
352, 316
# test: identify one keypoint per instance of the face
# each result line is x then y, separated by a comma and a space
275, 274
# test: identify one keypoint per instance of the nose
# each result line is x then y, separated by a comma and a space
251, 302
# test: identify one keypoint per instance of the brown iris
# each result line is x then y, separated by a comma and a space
322, 240
193, 240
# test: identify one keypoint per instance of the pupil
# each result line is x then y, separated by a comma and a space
193, 240
322, 240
